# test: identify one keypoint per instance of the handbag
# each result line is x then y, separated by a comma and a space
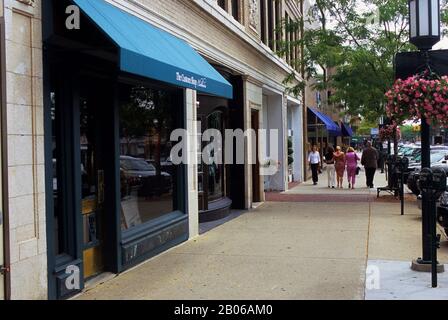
358, 170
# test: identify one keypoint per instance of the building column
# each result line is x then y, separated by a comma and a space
25, 147
191, 167
253, 93
298, 145
275, 111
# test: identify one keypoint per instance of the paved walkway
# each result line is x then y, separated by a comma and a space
290, 248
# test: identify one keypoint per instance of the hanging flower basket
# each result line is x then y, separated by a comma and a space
388, 131
420, 96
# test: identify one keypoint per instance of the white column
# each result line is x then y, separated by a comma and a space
283, 142
297, 127
192, 172
277, 120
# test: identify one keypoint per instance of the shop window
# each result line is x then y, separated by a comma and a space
216, 171
149, 180
60, 234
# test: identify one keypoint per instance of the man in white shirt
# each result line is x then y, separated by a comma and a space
314, 162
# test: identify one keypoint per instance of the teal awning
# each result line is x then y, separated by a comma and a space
153, 53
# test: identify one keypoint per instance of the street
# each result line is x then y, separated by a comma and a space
309, 243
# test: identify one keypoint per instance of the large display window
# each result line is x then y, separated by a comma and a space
149, 182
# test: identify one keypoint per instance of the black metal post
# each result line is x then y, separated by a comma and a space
433, 243
426, 201
402, 191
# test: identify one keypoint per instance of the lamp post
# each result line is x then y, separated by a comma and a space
424, 25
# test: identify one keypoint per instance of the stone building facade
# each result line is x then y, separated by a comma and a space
25, 201
235, 36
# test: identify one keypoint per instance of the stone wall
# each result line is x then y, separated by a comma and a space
25, 134
215, 35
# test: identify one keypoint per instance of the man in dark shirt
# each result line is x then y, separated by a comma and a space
370, 162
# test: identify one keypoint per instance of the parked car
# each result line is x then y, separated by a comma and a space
165, 164
139, 175
442, 206
442, 212
413, 152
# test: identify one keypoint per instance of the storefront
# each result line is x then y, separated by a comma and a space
322, 130
115, 89
221, 186
213, 178
347, 134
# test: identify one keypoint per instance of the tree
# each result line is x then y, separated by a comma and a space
359, 39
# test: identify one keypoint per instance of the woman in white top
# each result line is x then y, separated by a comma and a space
314, 162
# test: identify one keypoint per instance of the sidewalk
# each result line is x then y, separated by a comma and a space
282, 250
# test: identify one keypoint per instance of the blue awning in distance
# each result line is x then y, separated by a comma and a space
332, 128
346, 130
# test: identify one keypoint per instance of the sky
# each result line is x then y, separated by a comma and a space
442, 44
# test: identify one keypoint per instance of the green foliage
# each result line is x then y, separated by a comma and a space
366, 127
360, 45
290, 152
408, 132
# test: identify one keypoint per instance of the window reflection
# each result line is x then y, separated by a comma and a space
148, 177
216, 171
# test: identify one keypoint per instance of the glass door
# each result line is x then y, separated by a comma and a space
202, 172
92, 182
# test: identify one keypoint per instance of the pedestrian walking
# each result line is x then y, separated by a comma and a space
314, 162
351, 161
369, 160
331, 169
339, 158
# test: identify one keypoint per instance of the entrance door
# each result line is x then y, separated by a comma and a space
255, 118
92, 178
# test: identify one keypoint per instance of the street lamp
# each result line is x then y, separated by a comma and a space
424, 25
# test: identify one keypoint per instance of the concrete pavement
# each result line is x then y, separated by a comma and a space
295, 249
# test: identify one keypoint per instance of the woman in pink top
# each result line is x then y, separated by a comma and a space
351, 161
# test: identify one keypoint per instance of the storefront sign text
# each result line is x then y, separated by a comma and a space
197, 83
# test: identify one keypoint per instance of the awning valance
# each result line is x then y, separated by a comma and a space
332, 128
150, 52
